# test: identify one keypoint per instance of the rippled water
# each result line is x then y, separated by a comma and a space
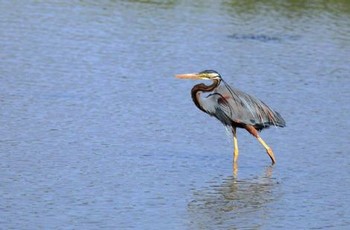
96, 133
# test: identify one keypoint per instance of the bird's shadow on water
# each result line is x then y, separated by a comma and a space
233, 203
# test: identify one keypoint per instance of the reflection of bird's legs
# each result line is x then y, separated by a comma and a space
255, 133
235, 145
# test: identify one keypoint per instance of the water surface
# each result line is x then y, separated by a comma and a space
97, 133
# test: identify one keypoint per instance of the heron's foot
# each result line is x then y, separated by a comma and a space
271, 155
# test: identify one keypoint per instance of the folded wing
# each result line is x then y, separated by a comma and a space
232, 105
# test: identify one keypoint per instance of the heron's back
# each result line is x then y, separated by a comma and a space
244, 109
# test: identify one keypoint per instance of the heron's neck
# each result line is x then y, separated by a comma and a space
197, 89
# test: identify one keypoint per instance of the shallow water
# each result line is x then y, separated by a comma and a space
97, 133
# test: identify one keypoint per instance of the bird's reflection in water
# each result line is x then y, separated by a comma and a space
234, 203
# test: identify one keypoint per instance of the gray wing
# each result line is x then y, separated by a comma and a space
234, 105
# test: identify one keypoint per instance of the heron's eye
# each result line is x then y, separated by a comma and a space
211, 75
215, 76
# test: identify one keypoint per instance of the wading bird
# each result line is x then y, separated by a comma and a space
234, 108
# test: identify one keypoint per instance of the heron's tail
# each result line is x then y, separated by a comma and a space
279, 121
275, 120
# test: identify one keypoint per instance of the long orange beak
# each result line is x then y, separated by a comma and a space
194, 76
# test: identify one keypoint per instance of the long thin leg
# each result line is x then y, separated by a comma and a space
268, 149
235, 153
235, 170
235, 145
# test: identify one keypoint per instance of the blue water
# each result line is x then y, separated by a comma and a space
96, 133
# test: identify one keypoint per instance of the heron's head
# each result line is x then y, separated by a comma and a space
204, 75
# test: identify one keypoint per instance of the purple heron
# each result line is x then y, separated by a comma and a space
233, 108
